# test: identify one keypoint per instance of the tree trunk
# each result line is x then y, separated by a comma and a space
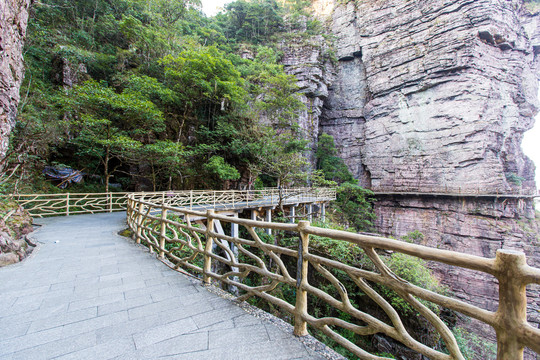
106, 169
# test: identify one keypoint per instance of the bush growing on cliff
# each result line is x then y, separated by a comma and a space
354, 207
532, 5
329, 163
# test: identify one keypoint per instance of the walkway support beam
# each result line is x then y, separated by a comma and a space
292, 214
207, 269
268, 219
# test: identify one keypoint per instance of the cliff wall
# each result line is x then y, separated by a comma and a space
13, 22
434, 97
442, 93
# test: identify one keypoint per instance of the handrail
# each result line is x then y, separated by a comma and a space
40, 205
199, 247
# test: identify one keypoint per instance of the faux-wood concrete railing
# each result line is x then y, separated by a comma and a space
41, 205
179, 235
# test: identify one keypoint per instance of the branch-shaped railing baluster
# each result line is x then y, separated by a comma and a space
39, 205
509, 322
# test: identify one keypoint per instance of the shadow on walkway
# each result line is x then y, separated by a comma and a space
87, 293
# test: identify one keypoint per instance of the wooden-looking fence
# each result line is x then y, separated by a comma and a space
41, 205
198, 246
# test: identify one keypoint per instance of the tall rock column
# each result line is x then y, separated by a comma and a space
13, 22
308, 59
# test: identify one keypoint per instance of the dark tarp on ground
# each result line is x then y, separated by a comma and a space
64, 175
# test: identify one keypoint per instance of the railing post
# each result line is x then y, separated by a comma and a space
128, 213
163, 232
190, 199
300, 310
110, 201
512, 312
67, 204
139, 223
208, 248
214, 199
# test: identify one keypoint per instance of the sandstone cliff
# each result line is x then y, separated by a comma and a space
13, 21
434, 97
445, 91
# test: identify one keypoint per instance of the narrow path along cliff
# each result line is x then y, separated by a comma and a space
88, 293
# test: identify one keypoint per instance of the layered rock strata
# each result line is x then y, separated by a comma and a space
437, 94
478, 226
13, 22
434, 97
308, 59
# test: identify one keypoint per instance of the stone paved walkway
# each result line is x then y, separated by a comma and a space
88, 293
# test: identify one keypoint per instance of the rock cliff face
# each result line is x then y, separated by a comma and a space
15, 225
442, 92
434, 97
13, 21
307, 58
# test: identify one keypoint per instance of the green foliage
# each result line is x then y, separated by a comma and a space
146, 76
253, 21
329, 163
164, 157
221, 169
473, 347
107, 125
353, 207
514, 178
282, 158
413, 237
207, 82
415, 271
386, 355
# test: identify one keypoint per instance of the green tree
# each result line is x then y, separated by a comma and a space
207, 84
165, 159
110, 126
354, 207
253, 21
331, 165
217, 166
98, 138
281, 157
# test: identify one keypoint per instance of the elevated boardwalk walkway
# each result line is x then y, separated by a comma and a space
88, 293
455, 195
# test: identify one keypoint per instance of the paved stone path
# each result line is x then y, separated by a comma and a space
88, 293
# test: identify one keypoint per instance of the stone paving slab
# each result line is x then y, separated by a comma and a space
88, 293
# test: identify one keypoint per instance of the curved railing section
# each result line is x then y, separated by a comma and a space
195, 241
42, 205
